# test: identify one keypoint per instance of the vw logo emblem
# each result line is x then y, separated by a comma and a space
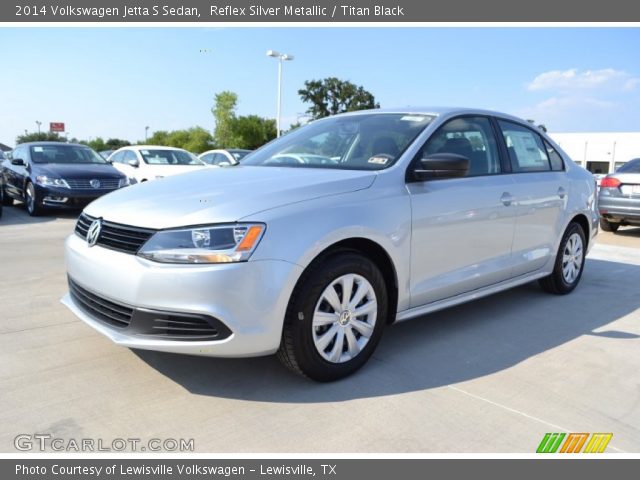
95, 183
94, 232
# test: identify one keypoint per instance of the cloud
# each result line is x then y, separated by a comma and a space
570, 113
574, 79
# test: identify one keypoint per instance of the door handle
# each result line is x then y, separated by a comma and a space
562, 192
506, 199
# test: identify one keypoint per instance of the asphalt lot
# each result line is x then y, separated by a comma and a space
491, 376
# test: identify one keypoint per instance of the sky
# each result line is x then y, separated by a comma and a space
113, 82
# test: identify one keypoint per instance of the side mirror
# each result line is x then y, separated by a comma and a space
18, 161
441, 165
135, 163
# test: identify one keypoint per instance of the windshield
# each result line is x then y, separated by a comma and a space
354, 142
632, 166
63, 153
169, 157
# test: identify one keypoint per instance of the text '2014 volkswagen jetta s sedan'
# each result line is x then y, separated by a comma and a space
321, 238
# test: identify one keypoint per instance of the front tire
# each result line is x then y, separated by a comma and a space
31, 199
335, 317
569, 265
7, 201
607, 226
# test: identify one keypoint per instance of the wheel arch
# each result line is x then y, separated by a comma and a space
374, 252
582, 220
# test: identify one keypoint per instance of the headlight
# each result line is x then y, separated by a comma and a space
214, 244
124, 182
51, 182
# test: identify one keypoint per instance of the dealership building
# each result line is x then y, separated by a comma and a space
600, 152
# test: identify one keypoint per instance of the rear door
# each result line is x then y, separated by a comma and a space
462, 228
541, 193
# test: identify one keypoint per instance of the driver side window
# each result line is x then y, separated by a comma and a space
471, 137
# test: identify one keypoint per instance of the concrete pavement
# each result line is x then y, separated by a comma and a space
491, 376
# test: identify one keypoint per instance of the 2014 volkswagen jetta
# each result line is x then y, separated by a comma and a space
321, 238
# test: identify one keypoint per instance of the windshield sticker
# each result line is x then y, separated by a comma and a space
379, 160
413, 118
144, 152
38, 149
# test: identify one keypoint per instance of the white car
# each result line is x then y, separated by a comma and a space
231, 156
148, 162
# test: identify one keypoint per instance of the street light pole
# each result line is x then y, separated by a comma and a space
38, 122
281, 57
146, 132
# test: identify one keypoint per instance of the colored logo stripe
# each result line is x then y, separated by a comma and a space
550, 443
574, 442
598, 442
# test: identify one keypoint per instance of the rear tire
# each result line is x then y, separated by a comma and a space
569, 263
7, 201
335, 317
607, 226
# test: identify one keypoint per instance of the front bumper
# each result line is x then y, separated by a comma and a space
249, 298
68, 197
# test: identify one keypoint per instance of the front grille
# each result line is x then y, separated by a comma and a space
85, 183
109, 312
123, 238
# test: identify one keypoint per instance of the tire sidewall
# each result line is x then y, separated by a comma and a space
301, 315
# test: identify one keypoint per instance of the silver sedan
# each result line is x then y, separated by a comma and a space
320, 239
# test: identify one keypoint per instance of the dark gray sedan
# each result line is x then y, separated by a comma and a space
619, 197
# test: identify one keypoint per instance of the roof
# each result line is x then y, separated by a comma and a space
438, 111
47, 144
5, 148
150, 147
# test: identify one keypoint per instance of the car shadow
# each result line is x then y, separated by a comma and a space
17, 215
454, 345
628, 232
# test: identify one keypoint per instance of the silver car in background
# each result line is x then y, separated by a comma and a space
619, 197
318, 240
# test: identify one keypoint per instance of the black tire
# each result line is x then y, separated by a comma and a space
298, 352
607, 226
32, 201
7, 201
556, 283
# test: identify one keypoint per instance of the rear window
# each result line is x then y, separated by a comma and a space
632, 166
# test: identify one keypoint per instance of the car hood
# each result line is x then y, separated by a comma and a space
217, 195
65, 170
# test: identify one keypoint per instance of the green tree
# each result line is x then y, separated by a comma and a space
40, 137
224, 114
332, 95
161, 137
116, 143
252, 131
